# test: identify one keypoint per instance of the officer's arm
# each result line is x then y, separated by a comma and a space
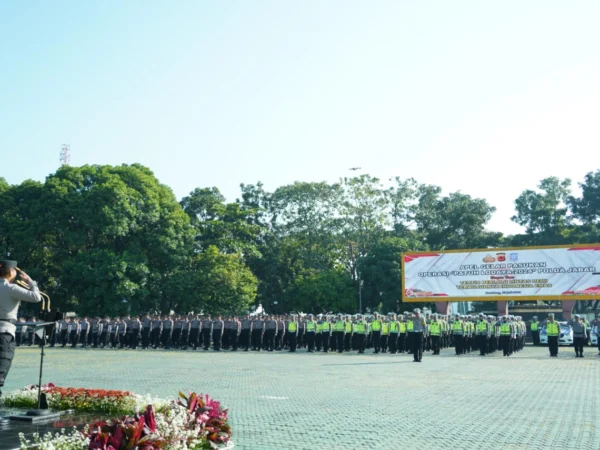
25, 295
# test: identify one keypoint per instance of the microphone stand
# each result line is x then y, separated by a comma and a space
42, 408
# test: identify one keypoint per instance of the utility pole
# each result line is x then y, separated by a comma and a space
359, 294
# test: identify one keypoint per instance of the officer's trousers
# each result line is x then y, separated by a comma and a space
310, 340
133, 339
361, 341
458, 344
417, 345
217, 337
194, 332
145, 337
325, 341
347, 341
206, 338
257, 338
7, 353
482, 338
578, 343
435, 344
183, 342
155, 338
176, 337
402, 343
505, 344
165, 338
74, 338
270, 339
245, 338
536, 337
318, 341
339, 345
384, 343
393, 341
553, 345
376, 341
292, 339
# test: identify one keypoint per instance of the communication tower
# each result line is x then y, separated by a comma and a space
65, 154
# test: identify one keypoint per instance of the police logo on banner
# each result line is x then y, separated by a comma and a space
513, 257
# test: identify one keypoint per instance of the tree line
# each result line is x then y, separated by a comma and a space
114, 240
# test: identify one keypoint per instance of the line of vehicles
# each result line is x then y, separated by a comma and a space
566, 335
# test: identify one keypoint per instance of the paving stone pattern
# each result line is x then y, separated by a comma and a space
330, 401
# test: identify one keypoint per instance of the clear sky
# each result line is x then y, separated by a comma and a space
482, 97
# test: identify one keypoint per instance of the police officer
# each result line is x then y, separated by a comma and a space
146, 330
418, 333
553, 332
534, 326
311, 328
11, 296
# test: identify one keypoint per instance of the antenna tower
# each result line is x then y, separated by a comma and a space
65, 154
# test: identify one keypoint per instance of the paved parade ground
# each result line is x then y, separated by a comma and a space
329, 401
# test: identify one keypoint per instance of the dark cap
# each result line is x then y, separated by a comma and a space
6, 264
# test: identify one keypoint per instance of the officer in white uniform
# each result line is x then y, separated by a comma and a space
11, 296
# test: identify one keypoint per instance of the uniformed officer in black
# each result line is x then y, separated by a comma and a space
11, 296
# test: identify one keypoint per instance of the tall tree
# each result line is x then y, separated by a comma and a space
587, 207
544, 213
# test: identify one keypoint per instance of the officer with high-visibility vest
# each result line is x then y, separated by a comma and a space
402, 334
458, 333
347, 333
325, 334
505, 335
339, 329
360, 330
482, 330
553, 332
385, 333
311, 330
292, 330
376, 332
534, 326
435, 333
394, 332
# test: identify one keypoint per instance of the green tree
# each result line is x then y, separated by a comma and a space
544, 213
322, 292
587, 207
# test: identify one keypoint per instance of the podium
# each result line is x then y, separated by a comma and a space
41, 413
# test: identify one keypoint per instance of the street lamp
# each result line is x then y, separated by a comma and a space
360, 285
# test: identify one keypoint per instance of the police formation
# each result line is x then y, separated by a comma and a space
412, 333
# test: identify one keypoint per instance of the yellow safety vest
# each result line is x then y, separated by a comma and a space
402, 327
360, 327
339, 326
552, 328
325, 327
311, 326
435, 328
505, 329
535, 326
410, 325
385, 328
394, 327
376, 325
348, 326
292, 326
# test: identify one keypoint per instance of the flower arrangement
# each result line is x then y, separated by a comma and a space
191, 422
111, 402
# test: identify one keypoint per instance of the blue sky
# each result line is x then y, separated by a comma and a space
482, 97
